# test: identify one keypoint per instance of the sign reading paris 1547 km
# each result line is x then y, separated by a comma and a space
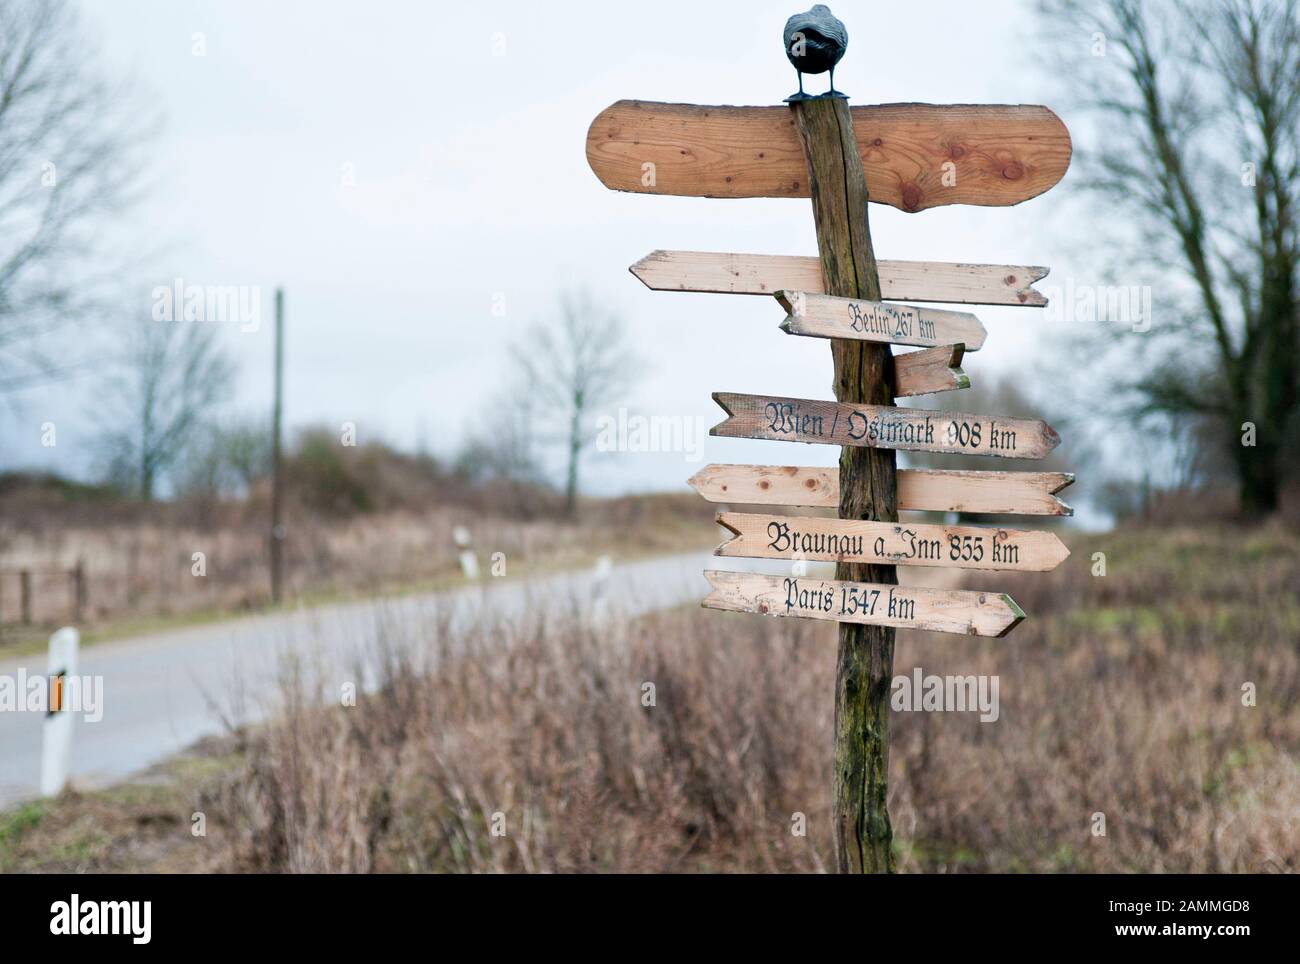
912, 157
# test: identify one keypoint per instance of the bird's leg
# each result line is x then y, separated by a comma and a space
833, 92
801, 95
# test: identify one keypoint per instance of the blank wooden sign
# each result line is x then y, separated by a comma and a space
934, 490
928, 371
765, 274
915, 156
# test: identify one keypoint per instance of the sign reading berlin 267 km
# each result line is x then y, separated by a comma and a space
912, 157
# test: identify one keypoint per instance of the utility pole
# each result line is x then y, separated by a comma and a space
277, 467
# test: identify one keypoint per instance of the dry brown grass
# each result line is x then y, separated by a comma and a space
1122, 695
544, 723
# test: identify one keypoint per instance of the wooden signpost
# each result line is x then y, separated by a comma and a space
932, 490
882, 426
766, 274
890, 543
822, 316
913, 157
940, 610
995, 155
929, 371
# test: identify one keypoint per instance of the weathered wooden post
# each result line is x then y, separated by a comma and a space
864, 373
913, 157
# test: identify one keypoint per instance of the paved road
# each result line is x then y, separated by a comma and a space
160, 690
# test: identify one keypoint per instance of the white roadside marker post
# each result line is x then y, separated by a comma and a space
600, 573
56, 747
468, 561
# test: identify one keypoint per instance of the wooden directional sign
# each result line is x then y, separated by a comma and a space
882, 426
889, 543
912, 156
941, 610
766, 274
822, 316
930, 370
932, 490
915, 156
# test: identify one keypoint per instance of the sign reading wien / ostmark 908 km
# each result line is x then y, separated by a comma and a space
882, 426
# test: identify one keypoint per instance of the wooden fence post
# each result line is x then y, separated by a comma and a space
868, 489
25, 597
79, 591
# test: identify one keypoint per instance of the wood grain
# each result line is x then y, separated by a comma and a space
914, 156
968, 612
873, 426
928, 371
824, 316
763, 536
765, 274
926, 490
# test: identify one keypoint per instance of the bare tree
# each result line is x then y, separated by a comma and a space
69, 152
226, 458
1197, 136
155, 404
504, 449
572, 367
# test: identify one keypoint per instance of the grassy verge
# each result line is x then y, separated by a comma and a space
145, 825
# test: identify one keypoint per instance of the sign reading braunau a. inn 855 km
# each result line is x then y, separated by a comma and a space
913, 157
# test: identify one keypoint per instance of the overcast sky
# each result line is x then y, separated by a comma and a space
463, 129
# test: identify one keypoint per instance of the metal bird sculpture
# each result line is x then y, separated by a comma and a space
815, 41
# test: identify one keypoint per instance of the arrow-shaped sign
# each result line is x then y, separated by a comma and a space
941, 610
915, 156
929, 370
931, 490
765, 274
882, 426
823, 316
889, 543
